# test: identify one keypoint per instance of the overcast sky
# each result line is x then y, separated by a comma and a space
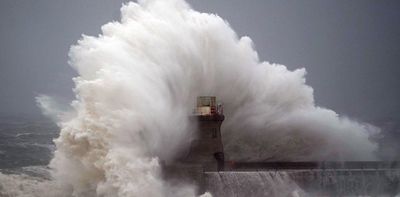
351, 49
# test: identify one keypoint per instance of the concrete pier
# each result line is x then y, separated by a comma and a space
278, 165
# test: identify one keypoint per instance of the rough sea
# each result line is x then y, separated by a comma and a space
26, 145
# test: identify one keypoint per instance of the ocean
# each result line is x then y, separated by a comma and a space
26, 143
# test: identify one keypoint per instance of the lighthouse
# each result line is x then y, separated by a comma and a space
207, 148
206, 152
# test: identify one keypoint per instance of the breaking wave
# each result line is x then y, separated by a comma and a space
137, 83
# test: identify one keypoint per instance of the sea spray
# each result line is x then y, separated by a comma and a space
138, 81
22, 185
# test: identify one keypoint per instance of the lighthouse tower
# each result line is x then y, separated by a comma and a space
207, 148
206, 152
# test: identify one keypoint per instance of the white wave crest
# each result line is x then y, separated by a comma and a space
138, 82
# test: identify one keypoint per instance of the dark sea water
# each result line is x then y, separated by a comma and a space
26, 141
26, 148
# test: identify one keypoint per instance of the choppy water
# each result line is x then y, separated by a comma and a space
26, 147
26, 142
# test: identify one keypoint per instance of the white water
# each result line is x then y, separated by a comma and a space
137, 83
29, 182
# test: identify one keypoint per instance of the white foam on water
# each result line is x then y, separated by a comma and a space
22, 185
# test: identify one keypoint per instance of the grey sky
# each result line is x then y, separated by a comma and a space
351, 49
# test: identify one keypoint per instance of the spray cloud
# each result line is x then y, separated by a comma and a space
138, 82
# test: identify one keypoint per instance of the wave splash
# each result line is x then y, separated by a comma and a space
137, 84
